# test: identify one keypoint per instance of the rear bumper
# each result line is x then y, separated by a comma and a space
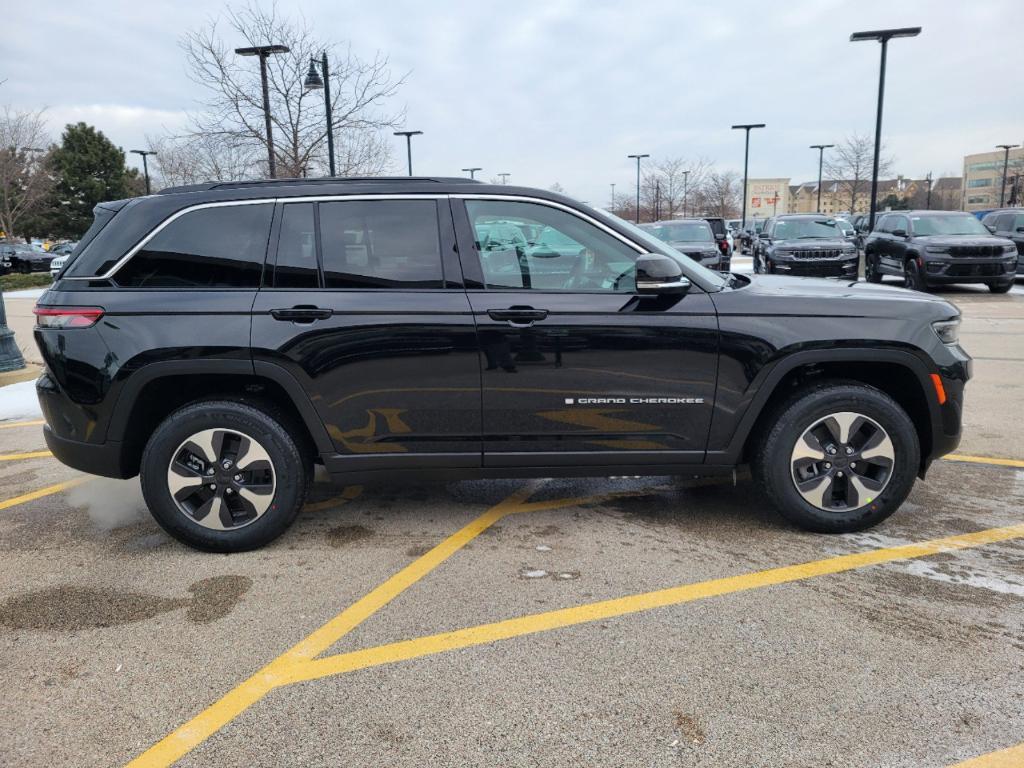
95, 458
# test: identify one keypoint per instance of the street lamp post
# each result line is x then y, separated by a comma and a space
821, 159
264, 51
746, 158
613, 197
928, 202
504, 177
315, 82
145, 166
638, 158
686, 180
408, 144
472, 171
883, 36
1006, 163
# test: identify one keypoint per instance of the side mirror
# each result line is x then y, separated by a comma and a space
657, 275
899, 232
1020, 229
991, 228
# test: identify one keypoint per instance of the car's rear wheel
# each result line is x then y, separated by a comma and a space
871, 273
1000, 287
913, 277
838, 457
223, 476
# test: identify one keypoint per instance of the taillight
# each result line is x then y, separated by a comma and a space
67, 317
723, 246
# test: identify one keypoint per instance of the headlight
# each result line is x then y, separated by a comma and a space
1009, 248
937, 248
948, 331
781, 252
849, 251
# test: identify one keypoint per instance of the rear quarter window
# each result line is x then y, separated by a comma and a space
218, 247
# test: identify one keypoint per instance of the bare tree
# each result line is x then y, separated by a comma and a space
850, 164
25, 173
202, 157
233, 110
671, 182
720, 194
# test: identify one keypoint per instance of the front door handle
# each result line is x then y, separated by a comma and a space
301, 314
518, 317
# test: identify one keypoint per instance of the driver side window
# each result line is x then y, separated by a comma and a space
537, 247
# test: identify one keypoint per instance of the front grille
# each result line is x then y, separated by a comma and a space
976, 251
819, 269
818, 253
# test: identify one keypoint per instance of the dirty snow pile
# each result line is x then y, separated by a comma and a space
19, 401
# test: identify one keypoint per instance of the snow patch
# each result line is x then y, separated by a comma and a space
19, 401
28, 293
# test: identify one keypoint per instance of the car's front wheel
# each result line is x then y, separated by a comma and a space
913, 277
838, 457
223, 476
871, 273
1000, 287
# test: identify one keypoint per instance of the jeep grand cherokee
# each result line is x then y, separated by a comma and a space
222, 339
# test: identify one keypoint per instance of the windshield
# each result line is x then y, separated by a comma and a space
657, 246
963, 224
683, 231
798, 229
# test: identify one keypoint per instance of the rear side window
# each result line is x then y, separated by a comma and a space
220, 247
380, 244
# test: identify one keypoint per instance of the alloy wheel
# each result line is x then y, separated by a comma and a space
842, 462
221, 479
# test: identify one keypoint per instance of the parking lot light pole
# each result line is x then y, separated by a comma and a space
471, 171
883, 36
928, 202
408, 144
746, 159
264, 51
145, 165
1006, 164
613, 197
821, 159
638, 158
686, 180
315, 82
504, 177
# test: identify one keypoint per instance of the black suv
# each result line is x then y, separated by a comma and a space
1008, 223
222, 339
692, 237
717, 224
18, 257
928, 248
805, 244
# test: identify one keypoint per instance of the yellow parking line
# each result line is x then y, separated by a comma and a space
13, 424
47, 491
606, 609
185, 738
985, 460
29, 455
1013, 757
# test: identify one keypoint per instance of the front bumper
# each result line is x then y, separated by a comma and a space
968, 270
841, 267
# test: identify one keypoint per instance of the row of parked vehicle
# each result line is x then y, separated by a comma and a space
708, 240
26, 258
924, 248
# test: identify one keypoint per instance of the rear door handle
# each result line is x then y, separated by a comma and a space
518, 317
301, 314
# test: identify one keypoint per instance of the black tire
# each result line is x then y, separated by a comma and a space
871, 273
290, 473
1000, 287
774, 469
913, 278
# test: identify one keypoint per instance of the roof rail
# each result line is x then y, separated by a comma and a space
317, 181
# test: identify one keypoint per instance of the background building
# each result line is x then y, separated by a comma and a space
983, 179
854, 196
767, 197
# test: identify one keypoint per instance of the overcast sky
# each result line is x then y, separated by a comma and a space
562, 90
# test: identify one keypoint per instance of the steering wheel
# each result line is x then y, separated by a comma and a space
631, 270
577, 275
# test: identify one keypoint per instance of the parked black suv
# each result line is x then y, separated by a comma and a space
19, 257
1008, 223
221, 339
805, 244
717, 224
692, 237
928, 248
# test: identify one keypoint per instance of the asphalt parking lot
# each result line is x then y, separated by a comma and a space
651, 621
